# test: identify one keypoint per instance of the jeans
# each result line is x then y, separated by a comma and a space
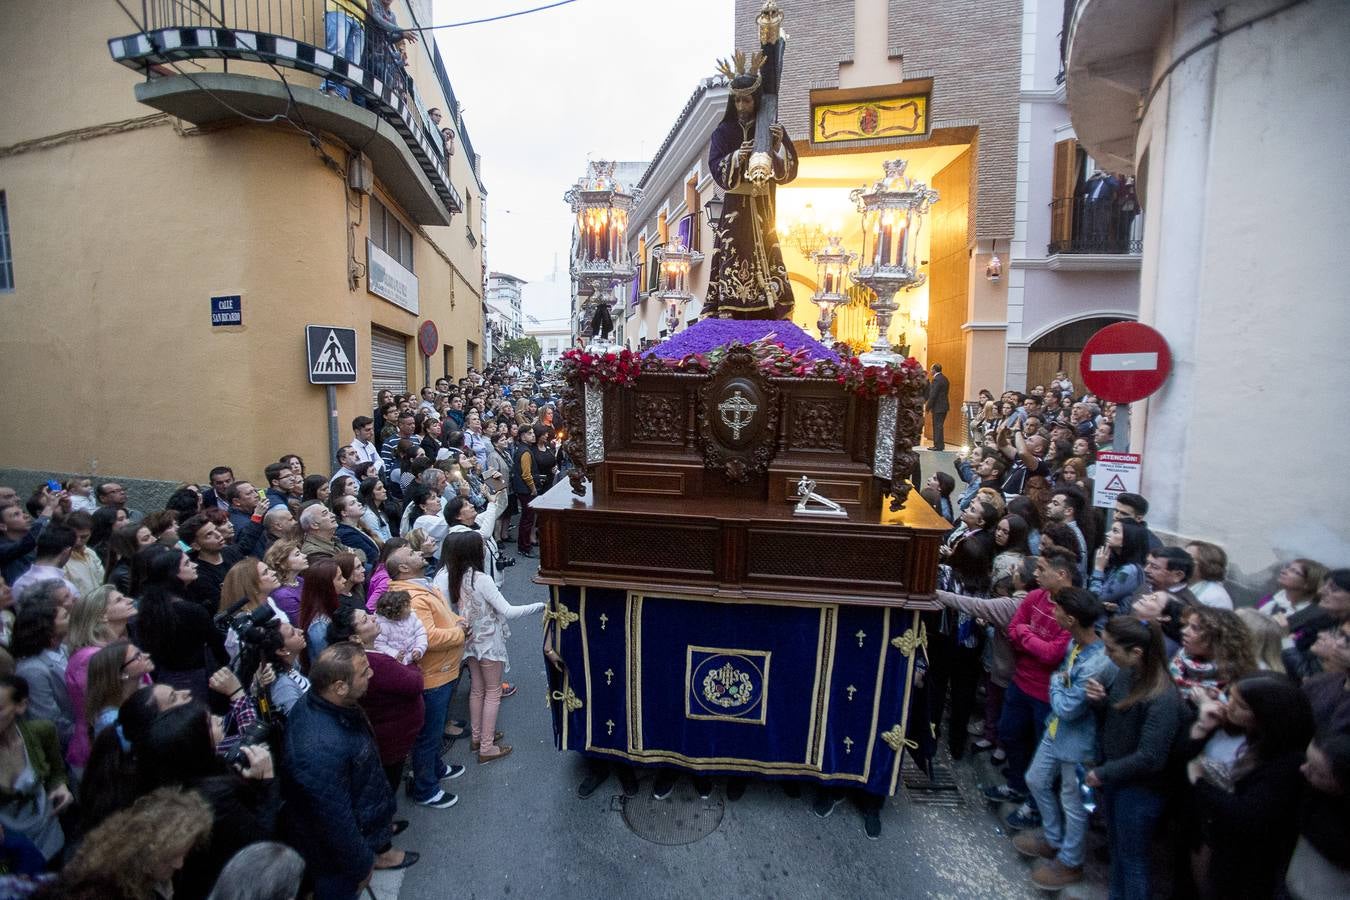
993, 708
426, 752
343, 36
485, 699
1019, 731
1132, 816
1065, 820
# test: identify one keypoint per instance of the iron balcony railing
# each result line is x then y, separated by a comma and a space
296, 34
1104, 225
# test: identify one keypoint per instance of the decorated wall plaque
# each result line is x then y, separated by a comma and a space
857, 120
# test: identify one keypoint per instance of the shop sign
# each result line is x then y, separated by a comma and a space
386, 278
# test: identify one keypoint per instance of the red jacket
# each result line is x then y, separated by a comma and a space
1038, 644
393, 703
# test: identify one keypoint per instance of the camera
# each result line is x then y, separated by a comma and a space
254, 735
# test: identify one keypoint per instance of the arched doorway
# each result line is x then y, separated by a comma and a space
1060, 349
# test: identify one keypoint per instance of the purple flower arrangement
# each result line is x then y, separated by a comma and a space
708, 334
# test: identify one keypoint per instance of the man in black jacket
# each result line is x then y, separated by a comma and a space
938, 404
339, 809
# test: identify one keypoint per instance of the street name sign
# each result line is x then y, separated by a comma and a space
331, 353
1125, 362
1117, 473
227, 310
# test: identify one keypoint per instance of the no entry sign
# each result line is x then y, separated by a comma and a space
1125, 362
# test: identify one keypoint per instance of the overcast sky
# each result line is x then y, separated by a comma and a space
542, 93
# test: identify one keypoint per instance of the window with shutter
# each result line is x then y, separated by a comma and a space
1062, 200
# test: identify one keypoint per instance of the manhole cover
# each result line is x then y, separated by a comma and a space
939, 789
681, 818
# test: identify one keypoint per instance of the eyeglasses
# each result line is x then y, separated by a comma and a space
137, 657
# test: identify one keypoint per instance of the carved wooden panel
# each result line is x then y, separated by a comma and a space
867, 561
641, 547
658, 418
817, 424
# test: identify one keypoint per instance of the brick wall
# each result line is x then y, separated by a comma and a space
970, 48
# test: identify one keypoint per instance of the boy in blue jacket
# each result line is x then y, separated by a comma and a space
1070, 740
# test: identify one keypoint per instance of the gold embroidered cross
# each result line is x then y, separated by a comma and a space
609, 676
604, 620
609, 726
848, 745
851, 691
860, 635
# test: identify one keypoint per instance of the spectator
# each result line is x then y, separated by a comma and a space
84, 570
406, 430
1134, 507
31, 802
279, 477
1320, 866
332, 775
363, 443
393, 701
105, 519
221, 477
1169, 569
1118, 567
1329, 692
99, 619
1211, 568
440, 674
79, 491
112, 494
354, 574
1216, 649
1142, 717
374, 517
318, 526
1299, 581
486, 613
185, 503
40, 629
1010, 541
1038, 643
316, 490
282, 651
115, 672
176, 632
351, 532
1332, 607
1066, 508
1244, 771
425, 503
264, 870
1070, 739
321, 585
379, 578
214, 556
51, 552
1265, 635
287, 562
163, 525
523, 466
401, 634
19, 532
243, 500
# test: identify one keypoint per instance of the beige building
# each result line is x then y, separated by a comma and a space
140, 197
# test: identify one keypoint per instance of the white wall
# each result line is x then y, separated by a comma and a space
1244, 274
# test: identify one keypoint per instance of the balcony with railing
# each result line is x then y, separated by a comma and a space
369, 101
1086, 225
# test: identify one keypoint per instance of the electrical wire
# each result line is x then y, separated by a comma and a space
523, 12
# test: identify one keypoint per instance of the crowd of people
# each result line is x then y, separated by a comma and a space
222, 698
1212, 743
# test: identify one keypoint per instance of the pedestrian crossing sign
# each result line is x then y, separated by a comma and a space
331, 354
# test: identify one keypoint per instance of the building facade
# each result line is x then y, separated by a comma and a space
504, 318
199, 161
1232, 117
552, 342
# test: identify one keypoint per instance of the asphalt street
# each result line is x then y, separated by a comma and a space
520, 830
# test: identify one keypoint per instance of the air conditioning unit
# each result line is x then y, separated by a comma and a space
360, 178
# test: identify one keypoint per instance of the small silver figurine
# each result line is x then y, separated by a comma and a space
806, 494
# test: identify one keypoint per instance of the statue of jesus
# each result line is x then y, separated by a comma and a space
748, 279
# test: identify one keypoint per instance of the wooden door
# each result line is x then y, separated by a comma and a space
1043, 364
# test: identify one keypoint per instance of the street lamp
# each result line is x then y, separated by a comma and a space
601, 260
892, 216
675, 260
832, 265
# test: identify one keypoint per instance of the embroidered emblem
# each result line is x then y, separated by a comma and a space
727, 687
851, 691
604, 621
861, 636
609, 727
911, 639
563, 616
737, 413
848, 745
609, 676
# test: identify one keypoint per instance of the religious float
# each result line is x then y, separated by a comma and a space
737, 581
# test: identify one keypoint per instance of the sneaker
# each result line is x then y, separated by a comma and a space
663, 786
1033, 845
529, 553
1024, 817
704, 786
1004, 794
439, 800
508, 689
981, 745
502, 750
449, 770
999, 756
825, 803
872, 824
1054, 875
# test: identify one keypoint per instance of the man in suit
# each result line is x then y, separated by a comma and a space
937, 403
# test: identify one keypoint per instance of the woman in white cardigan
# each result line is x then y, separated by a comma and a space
486, 612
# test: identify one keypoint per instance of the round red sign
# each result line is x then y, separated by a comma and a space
1125, 362
428, 338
